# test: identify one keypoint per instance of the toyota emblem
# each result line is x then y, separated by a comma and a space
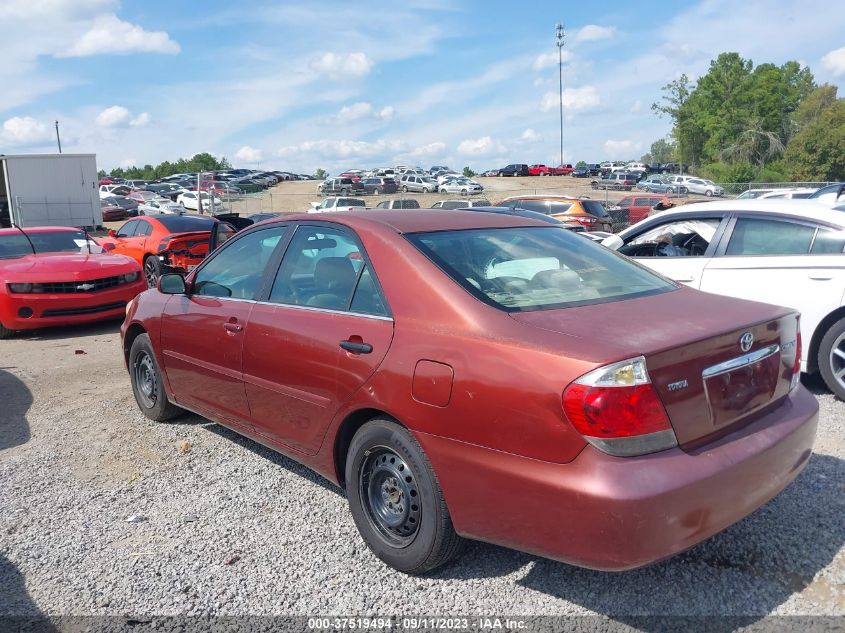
746, 341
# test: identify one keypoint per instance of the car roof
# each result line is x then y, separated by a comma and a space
40, 229
419, 220
802, 208
540, 196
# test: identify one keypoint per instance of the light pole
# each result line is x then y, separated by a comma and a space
560, 34
58, 138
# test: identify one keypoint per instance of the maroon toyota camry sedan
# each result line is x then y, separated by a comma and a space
444, 368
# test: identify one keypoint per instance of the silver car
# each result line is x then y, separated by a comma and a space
421, 184
160, 205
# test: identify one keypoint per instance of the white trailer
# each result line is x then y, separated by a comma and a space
50, 190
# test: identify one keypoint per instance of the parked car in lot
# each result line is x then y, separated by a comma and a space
616, 180
571, 225
515, 169
378, 185
341, 186
129, 206
162, 205
333, 204
789, 194
112, 212
191, 200
543, 170
416, 183
377, 347
591, 214
460, 204
164, 243
658, 184
776, 251
59, 276
638, 207
830, 194
704, 187
463, 186
402, 203
750, 194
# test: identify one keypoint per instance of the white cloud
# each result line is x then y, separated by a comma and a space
432, 149
360, 112
484, 146
637, 106
331, 148
547, 60
115, 116
25, 131
622, 148
141, 120
338, 66
574, 99
128, 162
834, 62
249, 154
110, 34
593, 32
530, 136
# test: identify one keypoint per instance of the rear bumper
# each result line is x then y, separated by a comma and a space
612, 513
50, 310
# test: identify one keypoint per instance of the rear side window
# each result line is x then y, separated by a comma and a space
770, 237
828, 242
536, 268
594, 208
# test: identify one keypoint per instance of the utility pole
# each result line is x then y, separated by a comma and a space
560, 34
58, 139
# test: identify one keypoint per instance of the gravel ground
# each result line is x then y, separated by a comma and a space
105, 512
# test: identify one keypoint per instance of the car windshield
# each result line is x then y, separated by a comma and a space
536, 268
185, 223
16, 245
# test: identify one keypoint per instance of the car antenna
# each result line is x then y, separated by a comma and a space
31, 245
88, 239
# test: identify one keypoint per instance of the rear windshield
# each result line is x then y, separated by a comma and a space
350, 202
185, 223
594, 208
536, 268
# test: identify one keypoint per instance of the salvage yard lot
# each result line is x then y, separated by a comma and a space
221, 525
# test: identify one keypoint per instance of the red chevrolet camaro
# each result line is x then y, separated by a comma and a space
48, 277
444, 368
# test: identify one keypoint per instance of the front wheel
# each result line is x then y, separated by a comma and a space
6, 332
147, 384
404, 189
396, 501
344, 192
831, 358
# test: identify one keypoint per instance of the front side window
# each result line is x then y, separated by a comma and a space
536, 268
770, 237
678, 238
237, 269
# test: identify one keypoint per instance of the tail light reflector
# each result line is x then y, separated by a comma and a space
617, 410
796, 365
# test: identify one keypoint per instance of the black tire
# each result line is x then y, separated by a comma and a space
830, 360
152, 271
344, 192
404, 189
386, 471
146, 381
6, 332
708, 193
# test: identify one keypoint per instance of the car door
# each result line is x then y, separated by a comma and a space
322, 332
784, 261
123, 238
677, 247
202, 332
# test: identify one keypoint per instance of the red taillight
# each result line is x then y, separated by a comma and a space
796, 364
617, 410
165, 242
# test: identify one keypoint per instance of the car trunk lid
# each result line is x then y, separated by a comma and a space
707, 381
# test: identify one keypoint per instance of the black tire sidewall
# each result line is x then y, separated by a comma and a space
382, 432
156, 412
823, 359
153, 263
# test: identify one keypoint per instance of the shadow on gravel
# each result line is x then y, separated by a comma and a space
815, 384
70, 331
15, 399
276, 458
745, 572
17, 610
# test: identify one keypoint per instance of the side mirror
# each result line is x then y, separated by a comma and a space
172, 284
614, 242
112, 233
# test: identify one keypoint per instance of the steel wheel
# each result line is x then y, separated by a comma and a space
836, 358
388, 488
145, 378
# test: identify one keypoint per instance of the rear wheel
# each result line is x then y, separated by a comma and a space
831, 358
146, 381
405, 189
152, 271
344, 192
396, 501
6, 332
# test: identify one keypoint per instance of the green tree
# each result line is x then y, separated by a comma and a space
581, 163
817, 151
468, 172
661, 151
321, 174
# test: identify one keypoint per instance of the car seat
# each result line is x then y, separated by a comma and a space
334, 279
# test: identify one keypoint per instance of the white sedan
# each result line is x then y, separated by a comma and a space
785, 252
189, 201
160, 205
463, 186
704, 187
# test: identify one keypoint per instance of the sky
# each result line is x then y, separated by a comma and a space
298, 86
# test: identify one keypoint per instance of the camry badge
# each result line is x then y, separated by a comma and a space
85, 287
746, 341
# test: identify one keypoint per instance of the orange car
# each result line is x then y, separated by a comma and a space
590, 214
166, 243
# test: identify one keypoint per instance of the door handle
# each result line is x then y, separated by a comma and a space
356, 348
820, 278
234, 328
